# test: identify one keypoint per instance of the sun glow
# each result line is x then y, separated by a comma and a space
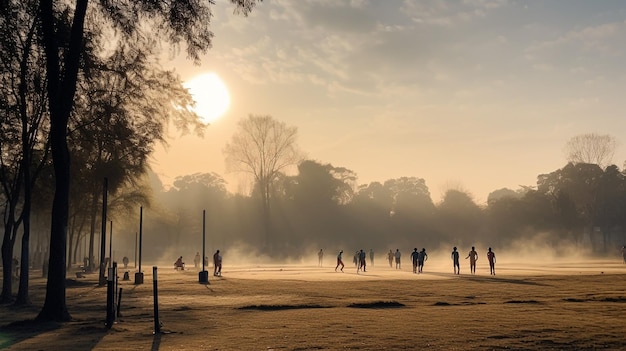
210, 94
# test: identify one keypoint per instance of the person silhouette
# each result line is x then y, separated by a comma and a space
217, 263
339, 261
491, 257
455, 261
398, 255
362, 261
473, 257
414, 257
196, 260
320, 257
421, 258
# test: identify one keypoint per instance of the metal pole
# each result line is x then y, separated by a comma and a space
136, 238
203, 237
110, 300
103, 230
157, 325
111, 244
139, 274
203, 276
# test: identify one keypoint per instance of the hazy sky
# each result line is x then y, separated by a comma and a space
481, 94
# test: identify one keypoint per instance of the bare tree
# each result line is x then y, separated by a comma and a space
591, 148
262, 147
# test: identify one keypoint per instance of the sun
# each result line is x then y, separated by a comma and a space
210, 94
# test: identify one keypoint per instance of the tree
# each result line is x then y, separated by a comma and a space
262, 147
184, 21
122, 107
591, 148
460, 218
23, 147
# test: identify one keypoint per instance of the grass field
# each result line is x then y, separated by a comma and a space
560, 306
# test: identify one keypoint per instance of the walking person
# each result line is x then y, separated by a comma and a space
414, 257
339, 261
362, 261
491, 257
390, 257
455, 261
196, 260
217, 263
398, 255
421, 258
372, 257
320, 256
473, 257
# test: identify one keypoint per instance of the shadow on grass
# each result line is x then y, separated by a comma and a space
377, 304
19, 331
278, 307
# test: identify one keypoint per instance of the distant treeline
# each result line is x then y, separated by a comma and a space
321, 206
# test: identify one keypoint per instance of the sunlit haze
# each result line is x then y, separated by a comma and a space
477, 95
210, 94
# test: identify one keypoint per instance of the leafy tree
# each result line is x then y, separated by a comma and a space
574, 192
262, 147
185, 21
23, 148
123, 105
460, 218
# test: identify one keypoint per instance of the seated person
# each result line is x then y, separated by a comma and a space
179, 264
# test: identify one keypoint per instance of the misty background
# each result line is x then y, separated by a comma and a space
573, 210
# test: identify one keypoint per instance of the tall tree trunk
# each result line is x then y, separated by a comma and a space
7, 263
92, 229
61, 91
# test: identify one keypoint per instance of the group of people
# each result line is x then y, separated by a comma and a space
359, 260
473, 257
217, 262
418, 257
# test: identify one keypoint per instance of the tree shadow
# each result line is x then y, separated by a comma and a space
85, 335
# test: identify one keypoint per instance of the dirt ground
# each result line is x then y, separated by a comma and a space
561, 306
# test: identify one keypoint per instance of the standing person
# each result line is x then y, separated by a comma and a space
398, 255
372, 257
355, 259
196, 260
473, 256
390, 257
491, 257
320, 256
422, 257
624, 253
455, 261
339, 261
124, 261
217, 263
414, 257
362, 259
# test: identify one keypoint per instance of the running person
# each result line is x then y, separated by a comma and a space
473, 256
339, 261
491, 257
455, 261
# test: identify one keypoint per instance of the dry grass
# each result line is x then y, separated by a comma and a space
305, 308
